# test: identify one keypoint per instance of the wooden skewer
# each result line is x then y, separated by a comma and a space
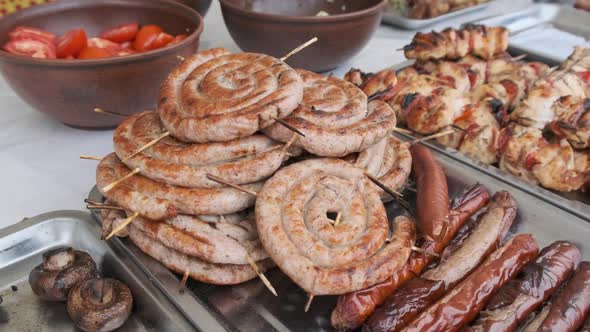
403, 131
100, 110
288, 126
425, 252
520, 57
308, 303
112, 185
261, 275
338, 217
149, 144
288, 145
122, 226
220, 180
383, 186
182, 285
180, 57
103, 207
87, 157
433, 136
299, 48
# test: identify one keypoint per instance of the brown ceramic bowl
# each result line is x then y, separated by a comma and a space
69, 90
201, 6
276, 27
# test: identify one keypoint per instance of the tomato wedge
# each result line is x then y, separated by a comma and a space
162, 40
146, 37
92, 52
30, 47
71, 43
122, 33
111, 47
179, 38
24, 32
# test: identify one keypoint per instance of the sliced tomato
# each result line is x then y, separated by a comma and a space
71, 43
126, 45
511, 89
466, 115
585, 76
122, 33
24, 32
146, 37
472, 74
106, 44
162, 40
179, 38
30, 47
92, 52
530, 161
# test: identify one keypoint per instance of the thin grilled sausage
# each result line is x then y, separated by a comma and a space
525, 294
464, 302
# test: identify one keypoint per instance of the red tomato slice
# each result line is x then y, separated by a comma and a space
71, 43
92, 52
106, 44
32, 48
24, 32
585, 76
122, 33
145, 37
162, 40
179, 38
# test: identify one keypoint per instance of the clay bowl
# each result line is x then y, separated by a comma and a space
69, 90
201, 6
276, 27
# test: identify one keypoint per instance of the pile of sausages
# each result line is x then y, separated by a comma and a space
217, 119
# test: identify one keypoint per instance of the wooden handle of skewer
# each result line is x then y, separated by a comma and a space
114, 184
122, 226
261, 275
299, 48
229, 184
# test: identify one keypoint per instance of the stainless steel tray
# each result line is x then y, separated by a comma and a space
396, 19
547, 32
250, 307
21, 247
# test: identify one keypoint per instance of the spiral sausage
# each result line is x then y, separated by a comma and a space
432, 203
523, 295
159, 201
240, 161
217, 274
390, 161
335, 118
217, 96
321, 257
353, 308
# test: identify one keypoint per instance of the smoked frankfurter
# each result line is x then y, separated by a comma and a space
464, 302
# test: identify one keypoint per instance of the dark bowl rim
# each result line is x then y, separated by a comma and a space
305, 19
143, 56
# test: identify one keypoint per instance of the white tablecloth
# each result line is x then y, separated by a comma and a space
40, 168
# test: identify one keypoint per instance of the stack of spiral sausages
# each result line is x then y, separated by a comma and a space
303, 159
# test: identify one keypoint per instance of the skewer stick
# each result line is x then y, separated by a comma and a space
288, 145
180, 57
299, 48
403, 131
220, 180
87, 157
103, 207
122, 226
338, 217
182, 285
112, 185
520, 57
308, 303
425, 252
433, 136
383, 186
288, 126
149, 144
100, 110
261, 275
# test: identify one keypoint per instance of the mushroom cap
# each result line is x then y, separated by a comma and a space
61, 269
101, 304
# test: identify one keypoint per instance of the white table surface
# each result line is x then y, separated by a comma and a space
40, 168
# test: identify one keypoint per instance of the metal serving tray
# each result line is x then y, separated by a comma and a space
251, 307
396, 19
21, 247
547, 32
